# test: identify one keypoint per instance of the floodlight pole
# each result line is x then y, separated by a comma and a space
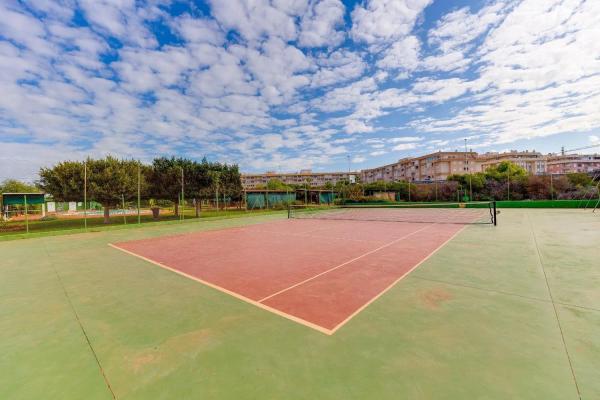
217, 176
26, 214
508, 183
139, 190
123, 208
182, 216
85, 195
468, 172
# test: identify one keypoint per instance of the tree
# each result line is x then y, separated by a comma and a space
164, 177
538, 187
231, 181
504, 170
276, 184
109, 180
509, 175
64, 181
15, 186
202, 180
579, 179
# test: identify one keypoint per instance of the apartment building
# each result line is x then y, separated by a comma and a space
252, 181
565, 164
437, 166
533, 162
430, 167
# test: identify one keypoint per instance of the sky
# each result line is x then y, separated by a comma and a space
292, 84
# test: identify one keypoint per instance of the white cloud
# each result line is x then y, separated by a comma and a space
460, 28
405, 146
357, 126
273, 82
259, 19
124, 20
319, 26
404, 139
403, 54
534, 79
337, 67
198, 30
385, 20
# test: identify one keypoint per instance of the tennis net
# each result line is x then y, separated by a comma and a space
440, 213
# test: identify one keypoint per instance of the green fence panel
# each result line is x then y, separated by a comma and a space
281, 199
255, 200
545, 203
326, 197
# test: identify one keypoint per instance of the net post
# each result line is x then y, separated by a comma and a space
495, 215
289, 211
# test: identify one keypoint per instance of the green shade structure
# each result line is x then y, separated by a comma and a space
17, 199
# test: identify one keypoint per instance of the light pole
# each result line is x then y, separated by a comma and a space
182, 217
468, 172
508, 183
85, 195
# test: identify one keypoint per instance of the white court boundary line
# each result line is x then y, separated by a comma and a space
290, 316
229, 292
345, 263
384, 291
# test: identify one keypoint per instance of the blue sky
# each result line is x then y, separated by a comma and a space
291, 84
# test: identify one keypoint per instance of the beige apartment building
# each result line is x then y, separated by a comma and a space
437, 166
565, 164
252, 181
533, 162
430, 167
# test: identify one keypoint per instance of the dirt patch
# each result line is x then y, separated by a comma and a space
169, 351
434, 298
141, 360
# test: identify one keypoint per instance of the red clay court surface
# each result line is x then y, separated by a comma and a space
319, 273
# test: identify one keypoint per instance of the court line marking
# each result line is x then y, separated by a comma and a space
229, 292
345, 263
280, 313
540, 260
384, 291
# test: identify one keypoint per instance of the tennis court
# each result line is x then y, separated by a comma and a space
496, 312
322, 265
